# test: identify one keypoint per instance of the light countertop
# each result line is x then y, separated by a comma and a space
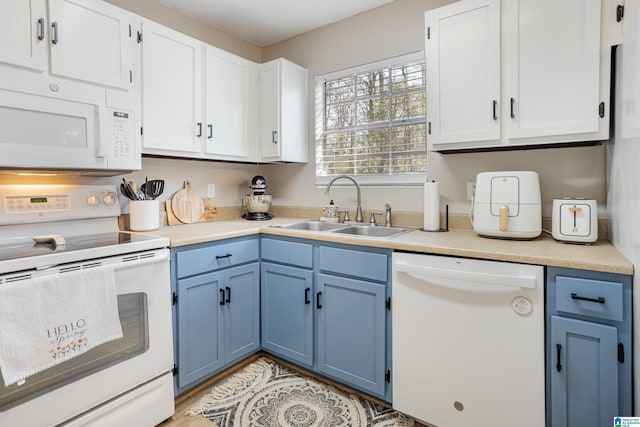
544, 250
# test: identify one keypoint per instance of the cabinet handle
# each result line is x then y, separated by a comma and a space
199, 126
221, 296
223, 256
599, 300
495, 109
274, 136
228, 301
54, 37
558, 351
306, 296
41, 29
318, 305
512, 101
210, 135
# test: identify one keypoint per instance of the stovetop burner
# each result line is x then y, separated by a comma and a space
257, 216
29, 248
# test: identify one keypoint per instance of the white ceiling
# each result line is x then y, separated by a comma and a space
265, 22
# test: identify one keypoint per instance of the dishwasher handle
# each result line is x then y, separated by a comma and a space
457, 279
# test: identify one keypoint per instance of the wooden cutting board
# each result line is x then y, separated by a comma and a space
187, 205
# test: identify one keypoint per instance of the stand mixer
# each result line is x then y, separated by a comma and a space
257, 204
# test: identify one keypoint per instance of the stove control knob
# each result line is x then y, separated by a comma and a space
93, 200
109, 198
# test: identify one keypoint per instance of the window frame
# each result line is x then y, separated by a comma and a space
319, 96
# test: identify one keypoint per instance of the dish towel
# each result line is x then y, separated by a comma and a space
48, 320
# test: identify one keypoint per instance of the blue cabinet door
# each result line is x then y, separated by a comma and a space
584, 373
241, 311
351, 332
199, 327
287, 312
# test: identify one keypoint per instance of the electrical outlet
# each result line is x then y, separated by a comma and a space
211, 191
471, 189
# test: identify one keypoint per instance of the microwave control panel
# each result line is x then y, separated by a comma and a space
123, 134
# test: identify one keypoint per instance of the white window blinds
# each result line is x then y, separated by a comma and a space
371, 122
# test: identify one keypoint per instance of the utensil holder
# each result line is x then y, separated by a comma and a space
144, 215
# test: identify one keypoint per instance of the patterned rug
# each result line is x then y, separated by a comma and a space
266, 394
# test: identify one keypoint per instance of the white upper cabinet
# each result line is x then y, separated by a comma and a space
544, 80
171, 91
22, 31
87, 40
230, 105
283, 112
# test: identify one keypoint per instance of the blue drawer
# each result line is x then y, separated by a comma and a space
215, 257
586, 297
285, 252
354, 263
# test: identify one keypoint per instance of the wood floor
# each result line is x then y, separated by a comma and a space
179, 419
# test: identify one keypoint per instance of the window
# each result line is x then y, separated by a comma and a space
371, 122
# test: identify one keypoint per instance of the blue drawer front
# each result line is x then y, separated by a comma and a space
593, 298
354, 263
294, 253
215, 257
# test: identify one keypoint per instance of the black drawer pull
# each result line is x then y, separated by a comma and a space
318, 305
306, 296
599, 300
228, 301
221, 296
223, 256
558, 364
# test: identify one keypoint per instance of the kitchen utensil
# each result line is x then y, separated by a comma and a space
127, 192
152, 189
187, 205
507, 205
574, 220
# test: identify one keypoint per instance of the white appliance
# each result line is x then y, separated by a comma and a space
51, 124
574, 220
507, 205
468, 341
623, 155
127, 381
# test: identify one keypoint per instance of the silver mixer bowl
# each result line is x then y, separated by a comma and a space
258, 203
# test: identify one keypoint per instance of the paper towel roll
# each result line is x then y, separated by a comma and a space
431, 206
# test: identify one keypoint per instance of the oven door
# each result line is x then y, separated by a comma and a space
113, 369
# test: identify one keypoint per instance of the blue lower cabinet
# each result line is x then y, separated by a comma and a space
287, 312
351, 331
218, 322
200, 328
589, 347
584, 373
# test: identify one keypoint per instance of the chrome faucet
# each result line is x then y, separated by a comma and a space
387, 218
358, 200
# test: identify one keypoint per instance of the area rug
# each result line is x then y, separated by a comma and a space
266, 394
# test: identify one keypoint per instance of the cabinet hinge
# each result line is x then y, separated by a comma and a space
129, 30
620, 352
387, 376
601, 110
387, 304
428, 33
619, 12
141, 131
130, 76
174, 371
429, 128
175, 298
139, 37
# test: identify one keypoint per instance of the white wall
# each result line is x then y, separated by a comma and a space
623, 154
395, 29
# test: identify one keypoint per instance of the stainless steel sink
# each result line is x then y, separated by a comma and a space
375, 232
313, 226
378, 232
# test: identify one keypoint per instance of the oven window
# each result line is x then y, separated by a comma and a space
132, 309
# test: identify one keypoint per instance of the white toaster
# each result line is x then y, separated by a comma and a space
507, 205
574, 220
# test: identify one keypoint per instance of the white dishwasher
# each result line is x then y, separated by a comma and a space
468, 341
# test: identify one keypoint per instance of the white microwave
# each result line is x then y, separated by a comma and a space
49, 124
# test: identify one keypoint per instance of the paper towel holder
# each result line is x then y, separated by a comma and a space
446, 222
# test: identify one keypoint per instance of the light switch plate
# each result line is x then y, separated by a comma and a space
211, 191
